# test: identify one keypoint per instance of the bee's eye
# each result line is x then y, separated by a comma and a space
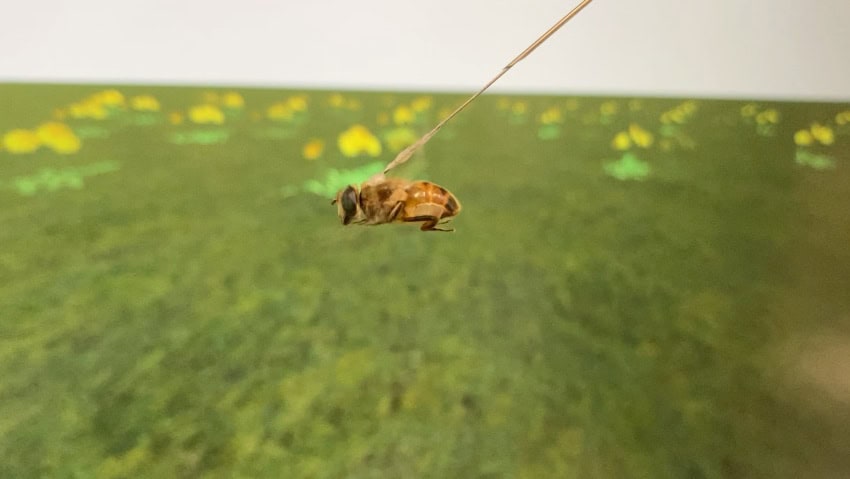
349, 204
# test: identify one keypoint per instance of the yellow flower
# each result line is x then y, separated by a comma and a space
206, 114
551, 115
803, 138
313, 149
279, 111
608, 108
503, 103
88, 109
144, 103
842, 118
78, 110
750, 109
358, 140
59, 137
175, 118
383, 118
297, 103
399, 138
689, 107
21, 141
519, 108
635, 105
403, 115
677, 116
66, 145
680, 113
47, 131
336, 100
823, 134
421, 104
109, 98
639, 136
233, 100
621, 141
769, 116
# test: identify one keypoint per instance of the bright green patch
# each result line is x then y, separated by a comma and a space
549, 132
814, 160
200, 137
145, 119
92, 131
52, 179
669, 130
629, 167
766, 130
276, 132
334, 179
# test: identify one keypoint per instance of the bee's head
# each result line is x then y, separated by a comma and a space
346, 204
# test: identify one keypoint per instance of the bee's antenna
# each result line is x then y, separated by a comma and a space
406, 153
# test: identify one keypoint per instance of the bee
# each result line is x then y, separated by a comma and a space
382, 200
391, 200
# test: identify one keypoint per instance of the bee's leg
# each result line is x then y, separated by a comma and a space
429, 223
430, 214
395, 211
433, 227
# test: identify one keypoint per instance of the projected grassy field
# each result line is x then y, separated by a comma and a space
178, 298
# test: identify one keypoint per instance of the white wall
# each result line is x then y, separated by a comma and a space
737, 48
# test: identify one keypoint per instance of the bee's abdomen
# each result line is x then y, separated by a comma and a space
425, 192
452, 206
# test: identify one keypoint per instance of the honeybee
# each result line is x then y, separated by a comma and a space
391, 200
382, 200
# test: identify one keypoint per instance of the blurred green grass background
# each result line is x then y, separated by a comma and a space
177, 301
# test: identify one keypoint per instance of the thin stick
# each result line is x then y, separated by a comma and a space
406, 153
